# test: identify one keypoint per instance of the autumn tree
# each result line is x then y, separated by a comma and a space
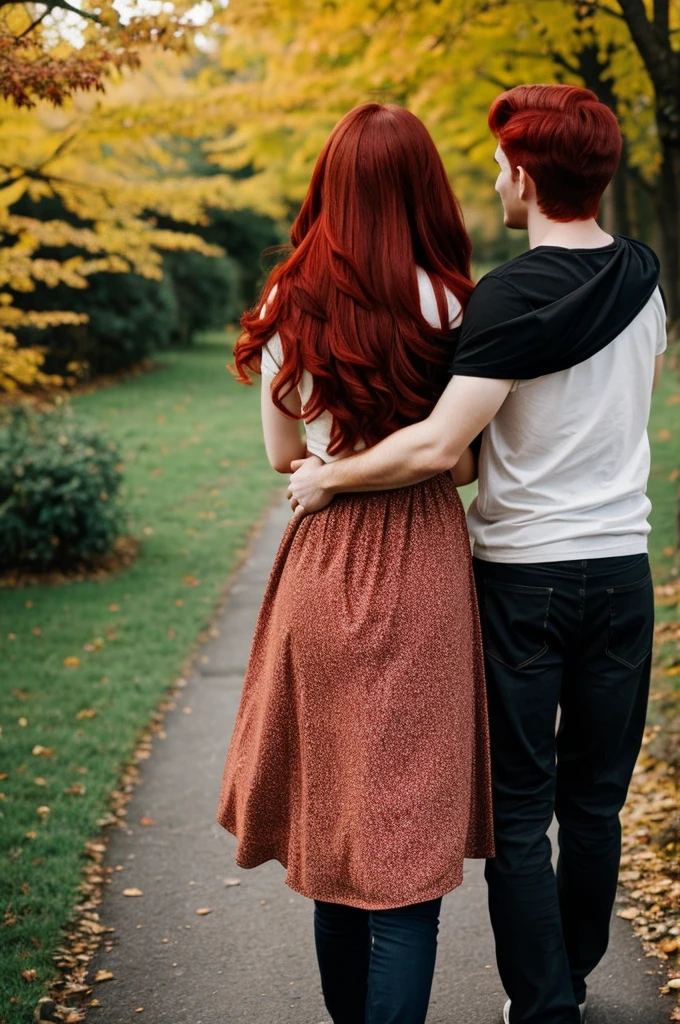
656, 37
294, 68
104, 129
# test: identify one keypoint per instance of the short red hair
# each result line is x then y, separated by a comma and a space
565, 139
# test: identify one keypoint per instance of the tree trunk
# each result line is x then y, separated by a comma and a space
620, 199
653, 40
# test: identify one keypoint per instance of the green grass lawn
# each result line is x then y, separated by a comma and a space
196, 479
664, 480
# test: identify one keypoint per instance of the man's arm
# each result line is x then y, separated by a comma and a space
466, 469
410, 455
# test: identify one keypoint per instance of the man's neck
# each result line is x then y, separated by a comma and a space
572, 234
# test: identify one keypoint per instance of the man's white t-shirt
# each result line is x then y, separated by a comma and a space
564, 464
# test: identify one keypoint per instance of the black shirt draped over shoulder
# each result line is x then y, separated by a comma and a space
552, 308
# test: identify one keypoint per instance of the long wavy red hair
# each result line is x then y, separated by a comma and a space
347, 303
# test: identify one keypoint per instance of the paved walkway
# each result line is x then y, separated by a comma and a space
252, 958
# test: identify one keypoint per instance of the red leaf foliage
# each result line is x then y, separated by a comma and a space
29, 74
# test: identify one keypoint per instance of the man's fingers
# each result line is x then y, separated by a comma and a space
297, 463
299, 511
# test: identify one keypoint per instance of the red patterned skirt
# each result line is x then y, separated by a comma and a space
360, 755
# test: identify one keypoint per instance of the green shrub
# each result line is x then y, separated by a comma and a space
59, 490
206, 293
130, 318
244, 235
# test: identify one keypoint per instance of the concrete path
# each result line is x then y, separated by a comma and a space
252, 959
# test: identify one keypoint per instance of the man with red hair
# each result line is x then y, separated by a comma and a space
556, 362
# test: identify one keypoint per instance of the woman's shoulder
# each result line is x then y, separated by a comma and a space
272, 350
428, 301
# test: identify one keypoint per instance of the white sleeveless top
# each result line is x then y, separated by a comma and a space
319, 430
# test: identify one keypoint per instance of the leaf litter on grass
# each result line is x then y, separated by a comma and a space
650, 862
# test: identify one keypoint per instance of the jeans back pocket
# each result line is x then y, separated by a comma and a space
515, 622
631, 622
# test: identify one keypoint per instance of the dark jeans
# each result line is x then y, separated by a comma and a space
577, 636
376, 965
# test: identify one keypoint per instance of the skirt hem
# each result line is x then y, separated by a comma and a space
433, 893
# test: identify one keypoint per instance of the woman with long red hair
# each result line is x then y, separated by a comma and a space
359, 759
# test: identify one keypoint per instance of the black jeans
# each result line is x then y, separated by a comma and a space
376, 965
574, 635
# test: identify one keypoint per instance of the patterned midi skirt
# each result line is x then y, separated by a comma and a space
360, 754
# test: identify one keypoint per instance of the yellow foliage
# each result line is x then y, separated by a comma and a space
271, 79
294, 68
114, 162
21, 367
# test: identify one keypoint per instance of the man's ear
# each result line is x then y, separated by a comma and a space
526, 187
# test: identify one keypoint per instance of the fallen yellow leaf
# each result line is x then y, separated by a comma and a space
132, 892
72, 662
86, 713
202, 911
103, 976
629, 914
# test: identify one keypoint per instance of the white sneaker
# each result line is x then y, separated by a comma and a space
506, 1012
